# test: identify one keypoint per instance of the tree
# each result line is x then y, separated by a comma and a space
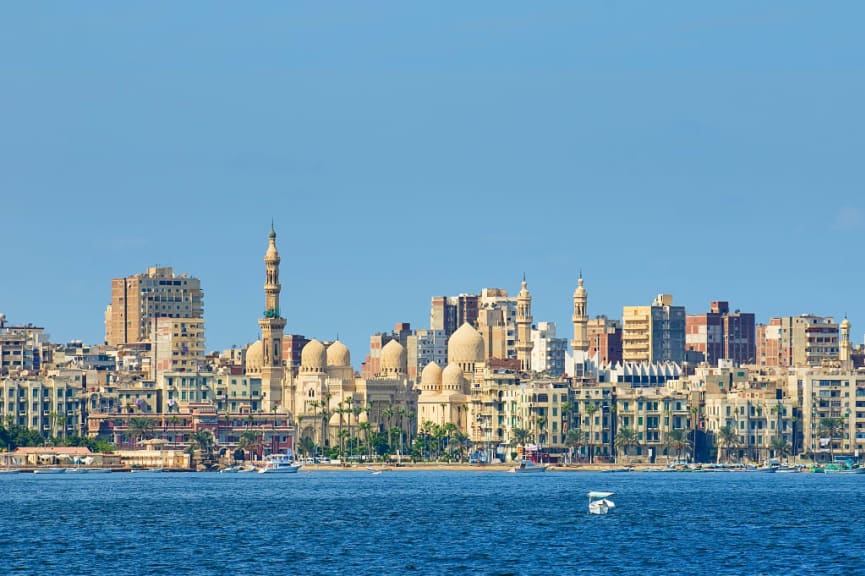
204, 443
834, 427
139, 428
727, 439
677, 441
567, 412
306, 446
590, 412
573, 440
250, 440
695, 413
780, 447
625, 438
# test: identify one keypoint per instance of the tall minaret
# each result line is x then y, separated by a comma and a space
524, 328
844, 347
272, 326
580, 343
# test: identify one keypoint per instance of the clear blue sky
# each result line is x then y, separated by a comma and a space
404, 149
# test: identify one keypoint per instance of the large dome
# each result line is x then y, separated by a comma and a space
452, 377
313, 357
431, 377
465, 345
338, 355
254, 357
393, 357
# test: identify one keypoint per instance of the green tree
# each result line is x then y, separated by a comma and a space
306, 446
590, 413
834, 427
573, 440
202, 442
780, 447
249, 442
727, 439
677, 441
139, 428
625, 438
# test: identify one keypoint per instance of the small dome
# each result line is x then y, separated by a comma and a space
313, 357
393, 357
465, 345
452, 377
431, 377
254, 357
338, 355
845, 324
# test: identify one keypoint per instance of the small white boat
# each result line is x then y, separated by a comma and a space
279, 464
528, 467
49, 470
599, 502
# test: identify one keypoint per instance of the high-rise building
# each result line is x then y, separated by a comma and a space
548, 352
447, 313
137, 300
654, 333
805, 340
605, 340
22, 348
721, 334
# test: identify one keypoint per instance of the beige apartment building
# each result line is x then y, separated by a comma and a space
50, 405
837, 394
137, 300
178, 344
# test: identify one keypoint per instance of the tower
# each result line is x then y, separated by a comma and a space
580, 343
272, 325
524, 328
844, 349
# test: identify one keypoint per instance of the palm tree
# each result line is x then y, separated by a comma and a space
625, 438
250, 440
677, 440
573, 440
139, 428
590, 412
780, 447
695, 413
567, 412
833, 427
306, 445
727, 439
203, 441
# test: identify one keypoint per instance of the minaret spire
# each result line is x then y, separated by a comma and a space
524, 327
580, 317
272, 326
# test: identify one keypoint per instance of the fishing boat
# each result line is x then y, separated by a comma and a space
599, 502
279, 464
528, 467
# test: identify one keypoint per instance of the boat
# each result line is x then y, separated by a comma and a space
599, 502
528, 467
279, 464
49, 470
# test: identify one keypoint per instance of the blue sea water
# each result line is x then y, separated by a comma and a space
430, 522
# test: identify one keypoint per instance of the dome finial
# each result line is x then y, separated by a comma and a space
272, 229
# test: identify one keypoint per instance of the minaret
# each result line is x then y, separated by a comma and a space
580, 318
524, 328
844, 348
272, 326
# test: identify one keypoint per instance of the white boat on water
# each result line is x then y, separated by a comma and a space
49, 470
279, 464
599, 502
528, 467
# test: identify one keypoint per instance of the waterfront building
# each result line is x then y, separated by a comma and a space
655, 414
833, 411
548, 352
654, 333
137, 300
49, 404
721, 334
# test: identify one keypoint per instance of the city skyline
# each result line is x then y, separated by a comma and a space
409, 151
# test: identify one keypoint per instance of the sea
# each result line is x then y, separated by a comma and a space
430, 522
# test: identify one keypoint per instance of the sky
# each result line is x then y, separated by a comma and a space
712, 151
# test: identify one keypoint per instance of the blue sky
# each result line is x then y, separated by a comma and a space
404, 150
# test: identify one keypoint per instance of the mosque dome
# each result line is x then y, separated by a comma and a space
393, 357
254, 357
465, 345
431, 377
338, 355
452, 377
313, 357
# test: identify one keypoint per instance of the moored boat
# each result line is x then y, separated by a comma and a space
279, 464
599, 502
528, 467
